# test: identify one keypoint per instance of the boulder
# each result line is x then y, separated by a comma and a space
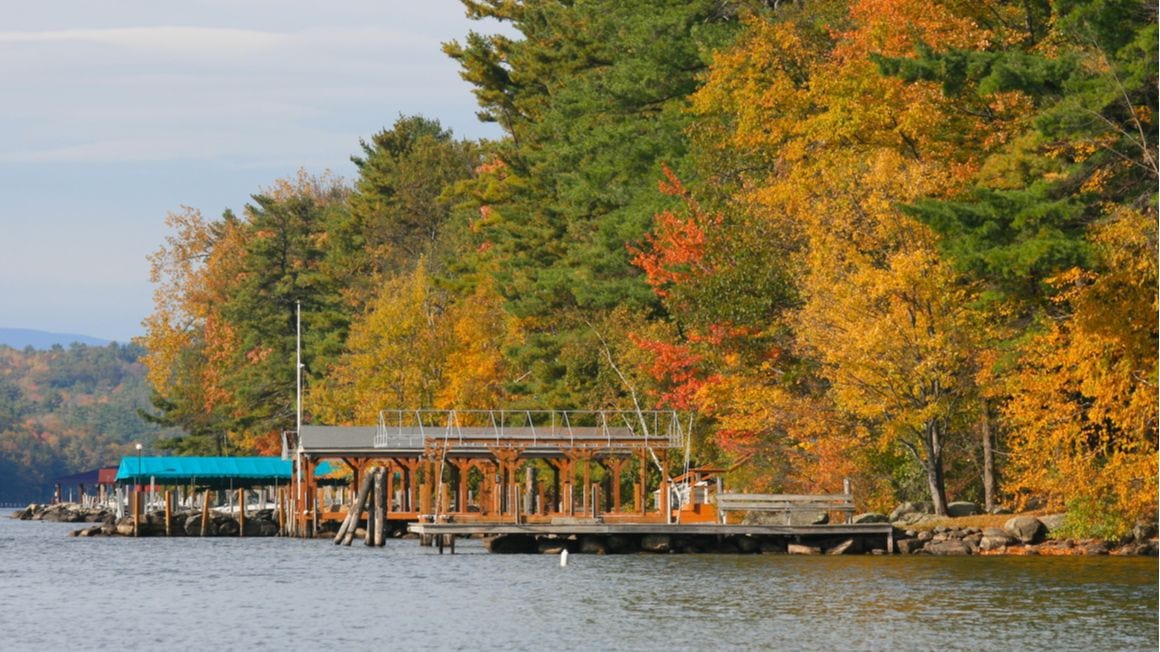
1052, 521
962, 508
1027, 529
791, 518
902, 509
999, 509
871, 517
1144, 531
989, 544
909, 546
910, 518
948, 547
193, 526
125, 526
254, 527
799, 549
995, 538
619, 543
227, 527
62, 514
1094, 548
809, 518
656, 543
591, 544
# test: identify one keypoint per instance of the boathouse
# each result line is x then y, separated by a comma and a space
497, 465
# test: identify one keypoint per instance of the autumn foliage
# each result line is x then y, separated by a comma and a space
907, 243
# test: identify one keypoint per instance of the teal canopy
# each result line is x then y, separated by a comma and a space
209, 471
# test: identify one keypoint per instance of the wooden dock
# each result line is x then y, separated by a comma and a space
445, 533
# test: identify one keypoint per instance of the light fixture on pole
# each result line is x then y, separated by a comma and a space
139, 447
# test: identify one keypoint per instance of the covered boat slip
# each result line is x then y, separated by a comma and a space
208, 472
205, 472
497, 466
231, 483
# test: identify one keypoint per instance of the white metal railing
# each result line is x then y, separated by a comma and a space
414, 429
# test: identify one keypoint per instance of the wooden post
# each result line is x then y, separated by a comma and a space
642, 487
390, 488
663, 497
425, 498
204, 511
356, 512
372, 509
616, 468
380, 507
587, 484
168, 512
280, 498
136, 512
529, 489
241, 512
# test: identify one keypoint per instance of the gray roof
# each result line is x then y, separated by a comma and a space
338, 439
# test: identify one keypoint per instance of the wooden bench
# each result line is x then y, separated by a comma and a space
784, 504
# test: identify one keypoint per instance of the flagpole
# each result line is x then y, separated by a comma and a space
298, 424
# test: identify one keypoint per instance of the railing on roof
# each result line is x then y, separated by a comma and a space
414, 429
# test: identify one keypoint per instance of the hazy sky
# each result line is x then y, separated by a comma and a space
115, 113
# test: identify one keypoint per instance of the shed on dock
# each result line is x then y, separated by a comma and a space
100, 481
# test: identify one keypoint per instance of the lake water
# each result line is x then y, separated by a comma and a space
60, 593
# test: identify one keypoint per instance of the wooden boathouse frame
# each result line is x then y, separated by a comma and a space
432, 456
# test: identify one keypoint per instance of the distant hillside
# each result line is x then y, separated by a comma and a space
67, 410
19, 338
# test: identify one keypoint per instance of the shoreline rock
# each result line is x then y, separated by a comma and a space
182, 521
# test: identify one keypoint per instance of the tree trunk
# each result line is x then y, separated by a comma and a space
988, 461
934, 467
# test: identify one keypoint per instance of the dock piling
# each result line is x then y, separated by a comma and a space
380, 507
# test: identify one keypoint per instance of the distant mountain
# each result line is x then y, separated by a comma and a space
19, 338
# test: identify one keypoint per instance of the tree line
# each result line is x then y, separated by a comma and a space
911, 243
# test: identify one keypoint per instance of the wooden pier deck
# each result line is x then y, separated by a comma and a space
451, 530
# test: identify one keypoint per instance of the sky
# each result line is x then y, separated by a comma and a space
115, 113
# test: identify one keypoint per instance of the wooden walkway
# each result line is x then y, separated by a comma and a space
885, 530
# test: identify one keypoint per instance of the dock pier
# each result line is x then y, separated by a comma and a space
529, 478
634, 537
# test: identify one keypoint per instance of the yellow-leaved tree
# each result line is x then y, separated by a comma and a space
828, 150
1084, 401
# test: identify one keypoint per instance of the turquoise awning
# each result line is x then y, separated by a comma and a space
217, 471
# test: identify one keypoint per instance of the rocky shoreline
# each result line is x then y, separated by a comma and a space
1022, 535
182, 522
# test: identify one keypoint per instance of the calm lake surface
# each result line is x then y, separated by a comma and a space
60, 593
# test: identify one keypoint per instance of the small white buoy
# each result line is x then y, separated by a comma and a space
563, 557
